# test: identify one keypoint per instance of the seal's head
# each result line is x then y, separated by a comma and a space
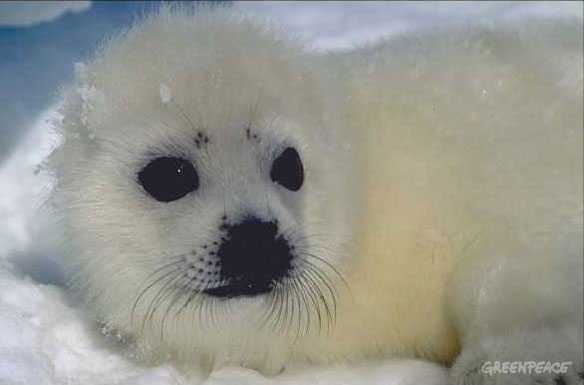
206, 188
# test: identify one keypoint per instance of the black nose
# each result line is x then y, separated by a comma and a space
252, 257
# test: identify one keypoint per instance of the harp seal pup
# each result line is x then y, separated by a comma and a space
231, 198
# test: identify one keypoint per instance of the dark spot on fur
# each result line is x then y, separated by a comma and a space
201, 139
251, 135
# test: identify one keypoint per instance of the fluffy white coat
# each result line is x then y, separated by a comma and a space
442, 205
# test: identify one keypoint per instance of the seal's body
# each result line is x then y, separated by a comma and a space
233, 199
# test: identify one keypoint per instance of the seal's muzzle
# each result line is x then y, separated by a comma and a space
252, 257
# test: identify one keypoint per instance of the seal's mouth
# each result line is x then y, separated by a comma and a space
239, 288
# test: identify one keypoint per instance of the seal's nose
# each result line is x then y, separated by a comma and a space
252, 257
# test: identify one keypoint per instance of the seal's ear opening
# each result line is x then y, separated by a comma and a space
287, 170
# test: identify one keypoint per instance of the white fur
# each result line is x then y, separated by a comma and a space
443, 182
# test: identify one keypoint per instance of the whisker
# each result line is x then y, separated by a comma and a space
287, 318
267, 314
184, 305
196, 309
177, 296
298, 312
310, 291
301, 300
280, 308
304, 294
151, 285
294, 310
310, 274
161, 294
318, 275
191, 296
328, 264
325, 279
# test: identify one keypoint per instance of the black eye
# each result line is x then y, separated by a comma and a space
287, 170
168, 179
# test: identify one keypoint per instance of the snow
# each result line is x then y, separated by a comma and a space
45, 340
45, 335
90, 96
165, 93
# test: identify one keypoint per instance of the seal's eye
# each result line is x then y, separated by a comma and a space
287, 170
167, 179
